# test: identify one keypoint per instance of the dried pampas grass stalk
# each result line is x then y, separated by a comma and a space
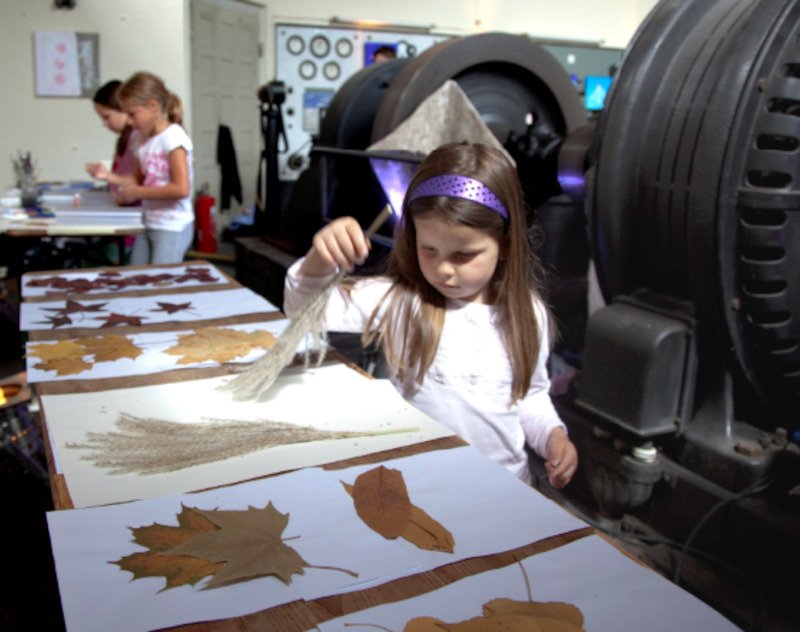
256, 380
155, 446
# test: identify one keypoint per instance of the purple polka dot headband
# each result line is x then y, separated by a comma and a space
463, 187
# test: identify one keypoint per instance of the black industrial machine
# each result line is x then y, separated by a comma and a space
685, 194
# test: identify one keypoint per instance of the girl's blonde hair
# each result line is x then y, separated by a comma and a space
143, 86
413, 311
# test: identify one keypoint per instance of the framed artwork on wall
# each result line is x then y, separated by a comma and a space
67, 63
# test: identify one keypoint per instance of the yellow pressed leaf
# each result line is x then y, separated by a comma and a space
65, 357
496, 623
425, 624
56, 350
555, 610
110, 348
219, 344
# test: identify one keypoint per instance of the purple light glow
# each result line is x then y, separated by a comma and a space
394, 177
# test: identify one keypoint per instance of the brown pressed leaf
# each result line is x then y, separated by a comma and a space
425, 624
382, 501
114, 319
72, 307
554, 610
110, 348
420, 529
248, 543
65, 357
219, 344
233, 546
497, 623
427, 533
55, 321
157, 538
171, 308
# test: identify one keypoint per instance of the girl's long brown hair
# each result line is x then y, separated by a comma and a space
107, 95
414, 311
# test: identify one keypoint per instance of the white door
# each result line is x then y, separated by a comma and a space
226, 52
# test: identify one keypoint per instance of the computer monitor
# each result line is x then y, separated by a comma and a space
595, 89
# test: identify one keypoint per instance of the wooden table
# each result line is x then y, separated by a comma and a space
297, 615
95, 214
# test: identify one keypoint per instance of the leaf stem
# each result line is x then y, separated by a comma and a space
333, 568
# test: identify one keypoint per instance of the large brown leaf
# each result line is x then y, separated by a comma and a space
248, 543
157, 538
382, 501
383, 504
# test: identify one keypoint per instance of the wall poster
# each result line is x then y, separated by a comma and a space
67, 63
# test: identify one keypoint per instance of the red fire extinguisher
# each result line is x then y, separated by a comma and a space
205, 211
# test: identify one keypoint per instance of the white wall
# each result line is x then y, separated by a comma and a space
64, 133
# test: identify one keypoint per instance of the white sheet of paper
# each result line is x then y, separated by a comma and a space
153, 359
453, 486
612, 591
328, 398
177, 278
202, 305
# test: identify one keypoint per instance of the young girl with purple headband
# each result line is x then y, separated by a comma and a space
457, 312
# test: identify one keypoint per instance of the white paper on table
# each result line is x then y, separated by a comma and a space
202, 305
328, 398
176, 272
612, 591
485, 507
453, 486
152, 360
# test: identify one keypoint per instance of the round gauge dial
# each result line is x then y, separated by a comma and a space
344, 47
332, 71
295, 45
308, 69
320, 46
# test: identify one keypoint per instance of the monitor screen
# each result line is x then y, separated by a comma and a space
595, 89
379, 51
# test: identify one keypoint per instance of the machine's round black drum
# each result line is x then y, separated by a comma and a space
695, 185
504, 76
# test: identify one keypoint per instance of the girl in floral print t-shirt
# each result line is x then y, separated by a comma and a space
163, 176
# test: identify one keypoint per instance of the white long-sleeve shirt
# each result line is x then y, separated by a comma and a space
468, 385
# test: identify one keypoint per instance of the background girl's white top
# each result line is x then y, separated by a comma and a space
153, 156
468, 386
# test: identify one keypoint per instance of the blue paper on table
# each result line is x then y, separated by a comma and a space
40, 212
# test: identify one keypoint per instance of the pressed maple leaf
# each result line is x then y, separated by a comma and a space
175, 569
382, 502
55, 321
71, 307
65, 357
219, 344
115, 280
250, 545
171, 308
114, 319
110, 348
